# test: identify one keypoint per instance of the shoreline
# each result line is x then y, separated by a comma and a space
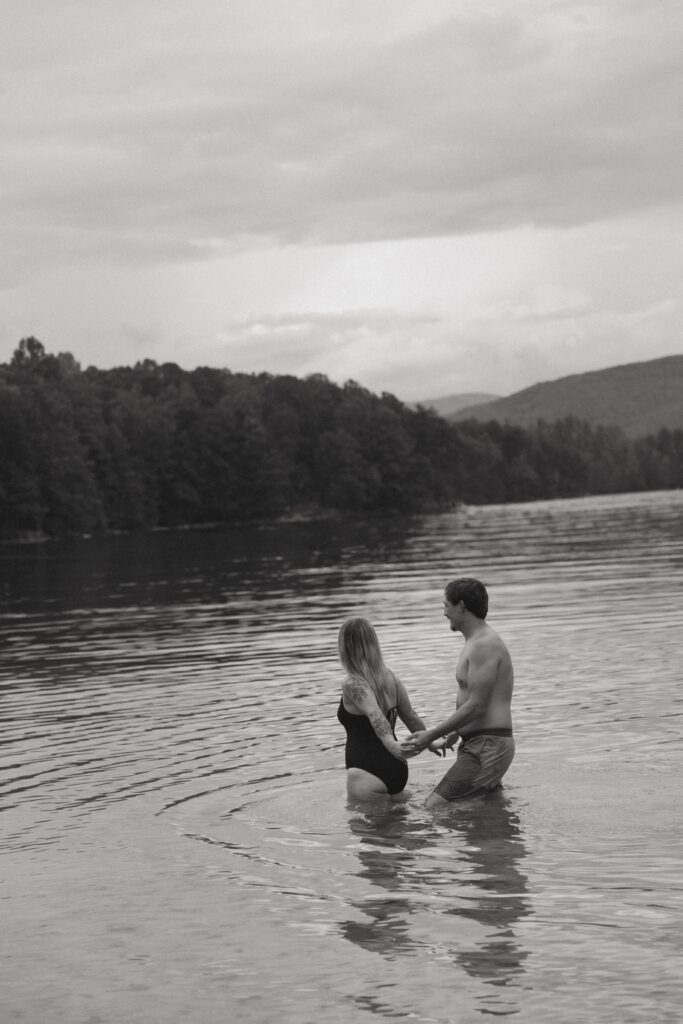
292, 517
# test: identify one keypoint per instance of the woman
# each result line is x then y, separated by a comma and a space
372, 698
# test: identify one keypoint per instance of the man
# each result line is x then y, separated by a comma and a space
482, 719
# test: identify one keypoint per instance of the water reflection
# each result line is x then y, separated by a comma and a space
231, 566
494, 851
465, 865
387, 853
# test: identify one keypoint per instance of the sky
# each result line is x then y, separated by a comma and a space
426, 197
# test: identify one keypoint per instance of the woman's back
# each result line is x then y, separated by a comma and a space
385, 690
365, 750
372, 698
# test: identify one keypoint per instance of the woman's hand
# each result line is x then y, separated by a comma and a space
395, 748
416, 743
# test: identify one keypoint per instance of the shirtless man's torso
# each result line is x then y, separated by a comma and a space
482, 719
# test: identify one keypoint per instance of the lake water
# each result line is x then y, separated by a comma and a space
176, 842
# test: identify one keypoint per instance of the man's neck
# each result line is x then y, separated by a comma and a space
472, 625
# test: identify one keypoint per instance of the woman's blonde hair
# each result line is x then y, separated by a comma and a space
360, 654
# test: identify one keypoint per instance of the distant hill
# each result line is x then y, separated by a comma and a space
641, 398
454, 403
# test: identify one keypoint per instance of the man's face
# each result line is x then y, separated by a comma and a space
453, 613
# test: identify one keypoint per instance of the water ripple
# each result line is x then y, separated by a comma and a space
192, 683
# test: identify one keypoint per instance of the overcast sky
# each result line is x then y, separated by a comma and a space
428, 197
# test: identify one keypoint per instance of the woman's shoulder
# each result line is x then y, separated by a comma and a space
354, 689
393, 682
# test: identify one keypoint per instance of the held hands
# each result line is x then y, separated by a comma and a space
418, 741
415, 744
439, 747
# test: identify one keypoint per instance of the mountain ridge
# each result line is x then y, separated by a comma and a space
641, 398
448, 404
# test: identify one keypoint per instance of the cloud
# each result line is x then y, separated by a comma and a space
370, 345
159, 131
506, 350
421, 357
428, 198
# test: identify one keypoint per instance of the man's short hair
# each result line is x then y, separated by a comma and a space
472, 593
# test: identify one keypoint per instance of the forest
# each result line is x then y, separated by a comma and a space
85, 451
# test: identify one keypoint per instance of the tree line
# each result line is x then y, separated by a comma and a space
154, 445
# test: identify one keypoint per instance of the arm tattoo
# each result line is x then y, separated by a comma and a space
379, 723
356, 691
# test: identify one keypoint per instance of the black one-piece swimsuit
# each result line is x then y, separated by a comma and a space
365, 750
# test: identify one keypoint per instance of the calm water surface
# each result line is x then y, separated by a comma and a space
176, 842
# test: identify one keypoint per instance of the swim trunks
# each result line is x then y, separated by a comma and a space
365, 750
483, 758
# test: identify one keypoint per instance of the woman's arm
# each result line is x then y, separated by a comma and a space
406, 712
412, 720
361, 696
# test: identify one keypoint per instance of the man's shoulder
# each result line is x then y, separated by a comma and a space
488, 642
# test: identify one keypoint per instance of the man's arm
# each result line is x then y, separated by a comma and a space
482, 672
361, 696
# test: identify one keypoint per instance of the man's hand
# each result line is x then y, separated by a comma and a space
439, 747
416, 743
